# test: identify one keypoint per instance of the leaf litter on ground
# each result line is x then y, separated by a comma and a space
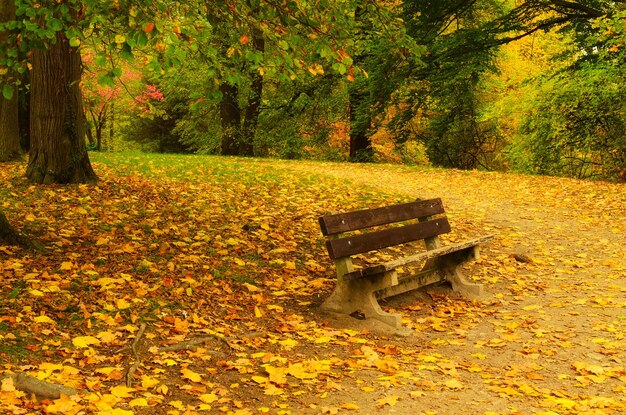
183, 285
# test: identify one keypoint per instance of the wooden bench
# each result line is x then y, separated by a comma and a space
358, 290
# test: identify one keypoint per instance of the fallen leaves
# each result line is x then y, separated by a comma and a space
224, 265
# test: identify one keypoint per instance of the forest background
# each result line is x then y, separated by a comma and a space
531, 86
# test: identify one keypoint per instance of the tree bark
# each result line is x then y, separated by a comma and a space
9, 127
230, 117
58, 151
9, 236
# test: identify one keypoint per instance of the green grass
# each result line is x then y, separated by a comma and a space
12, 349
212, 169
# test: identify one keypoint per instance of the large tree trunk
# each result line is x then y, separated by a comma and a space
230, 117
9, 236
9, 127
58, 153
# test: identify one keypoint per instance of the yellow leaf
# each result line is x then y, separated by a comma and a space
85, 341
191, 375
147, 382
390, 400
251, 288
102, 241
145, 263
7, 385
30, 217
290, 265
106, 370
177, 404
239, 262
453, 384
36, 293
297, 370
66, 266
349, 406
50, 367
138, 402
260, 379
122, 304
289, 343
106, 337
63, 405
43, 319
162, 389
208, 397
584, 368
116, 411
122, 391
257, 312
278, 375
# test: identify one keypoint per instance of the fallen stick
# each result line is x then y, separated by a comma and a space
40, 388
133, 349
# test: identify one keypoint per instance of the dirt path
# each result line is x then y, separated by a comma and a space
551, 339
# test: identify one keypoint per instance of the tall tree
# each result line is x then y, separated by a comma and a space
58, 153
9, 127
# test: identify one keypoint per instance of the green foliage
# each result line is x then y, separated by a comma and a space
185, 120
442, 95
610, 34
302, 119
577, 128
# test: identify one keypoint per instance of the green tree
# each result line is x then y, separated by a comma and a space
462, 39
54, 31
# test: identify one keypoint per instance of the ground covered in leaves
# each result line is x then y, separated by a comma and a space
190, 285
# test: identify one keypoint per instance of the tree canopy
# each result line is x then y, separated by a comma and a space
328, 78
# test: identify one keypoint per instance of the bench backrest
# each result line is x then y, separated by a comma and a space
339, 246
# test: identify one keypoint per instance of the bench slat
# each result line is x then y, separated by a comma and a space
416, 258
357, 244
361, 219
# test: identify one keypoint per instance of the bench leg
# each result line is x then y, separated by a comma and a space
359, 296
461, 285
450, 268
